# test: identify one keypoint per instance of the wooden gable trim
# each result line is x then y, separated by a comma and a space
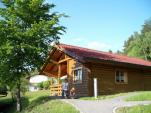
48, 59
68, 56
49, 74
71, 54
74, 56
53, 61
64, 60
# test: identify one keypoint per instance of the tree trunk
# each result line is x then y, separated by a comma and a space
18, 98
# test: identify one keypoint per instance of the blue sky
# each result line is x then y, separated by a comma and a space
101, 24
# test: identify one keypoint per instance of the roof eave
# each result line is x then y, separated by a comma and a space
111, 62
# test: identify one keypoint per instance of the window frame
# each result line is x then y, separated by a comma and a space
125, 77
79, 81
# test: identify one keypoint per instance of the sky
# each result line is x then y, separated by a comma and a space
101, 24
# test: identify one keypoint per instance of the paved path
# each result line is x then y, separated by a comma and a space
103, 106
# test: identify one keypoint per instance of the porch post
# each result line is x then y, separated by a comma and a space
59, 73
95, 88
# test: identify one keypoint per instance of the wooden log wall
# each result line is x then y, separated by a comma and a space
81, 88
107, 84
137, 80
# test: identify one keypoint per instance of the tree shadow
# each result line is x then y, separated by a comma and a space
39, 100
9, 106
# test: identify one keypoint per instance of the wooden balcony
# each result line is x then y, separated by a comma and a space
56, 90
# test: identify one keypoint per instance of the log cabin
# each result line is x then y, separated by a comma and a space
114, 72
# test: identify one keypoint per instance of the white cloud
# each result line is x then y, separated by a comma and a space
98, 46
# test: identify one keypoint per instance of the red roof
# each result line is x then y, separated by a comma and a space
106, 56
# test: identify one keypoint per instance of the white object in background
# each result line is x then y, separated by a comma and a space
38, 78
34, 80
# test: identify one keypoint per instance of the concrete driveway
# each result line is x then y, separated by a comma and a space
103, 106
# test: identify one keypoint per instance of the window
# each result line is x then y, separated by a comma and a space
77, 77
121, 77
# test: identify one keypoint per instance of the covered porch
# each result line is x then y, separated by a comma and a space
56, 66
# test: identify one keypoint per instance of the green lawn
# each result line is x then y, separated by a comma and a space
101, 97
37, 102
135, 109
140, 96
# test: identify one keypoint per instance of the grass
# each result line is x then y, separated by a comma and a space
102, 97
140, 96
55, 106
37, 102
135, 109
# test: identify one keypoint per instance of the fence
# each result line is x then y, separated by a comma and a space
55, 90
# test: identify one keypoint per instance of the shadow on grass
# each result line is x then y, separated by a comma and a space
8, 106
39, 100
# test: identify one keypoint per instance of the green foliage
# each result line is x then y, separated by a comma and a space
26, 30
24, 85
46, 84
146, 26
40, 85
139, 44
110, 51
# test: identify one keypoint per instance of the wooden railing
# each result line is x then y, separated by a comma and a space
55, 90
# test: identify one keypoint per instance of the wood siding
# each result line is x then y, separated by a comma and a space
106, 80
147, 82
81, 88
137, 81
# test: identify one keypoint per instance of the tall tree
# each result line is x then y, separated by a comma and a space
26, 29
139, 44
146, 26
